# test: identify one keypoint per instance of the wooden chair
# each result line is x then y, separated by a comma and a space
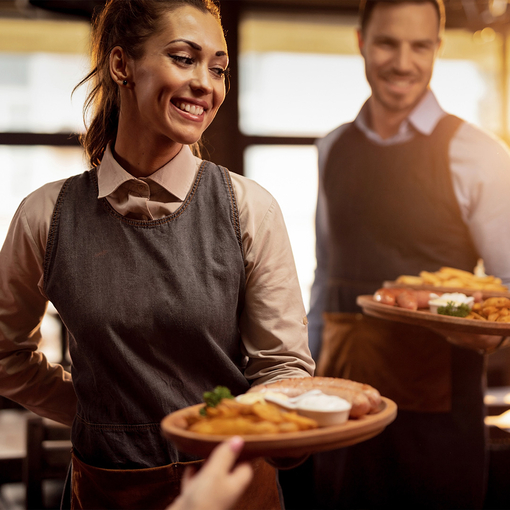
48, 456
12, 443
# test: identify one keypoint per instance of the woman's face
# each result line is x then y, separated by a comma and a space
178, 84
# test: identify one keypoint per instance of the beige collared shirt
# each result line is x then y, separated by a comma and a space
273, 323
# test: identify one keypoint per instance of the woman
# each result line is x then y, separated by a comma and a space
171, 275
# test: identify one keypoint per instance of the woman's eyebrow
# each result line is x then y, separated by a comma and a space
197, 47
194, 45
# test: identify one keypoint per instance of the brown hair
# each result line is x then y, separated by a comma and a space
367, 6
125, 23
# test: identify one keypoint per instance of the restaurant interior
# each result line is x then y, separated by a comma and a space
302, 50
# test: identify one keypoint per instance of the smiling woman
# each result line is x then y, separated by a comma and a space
178, 52
172, 274
173, 92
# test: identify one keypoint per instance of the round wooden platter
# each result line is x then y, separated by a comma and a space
290, 444
485, 293
431, 320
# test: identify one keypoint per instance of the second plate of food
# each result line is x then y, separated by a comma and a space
431, 320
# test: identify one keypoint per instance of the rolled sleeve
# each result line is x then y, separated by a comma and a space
273, 323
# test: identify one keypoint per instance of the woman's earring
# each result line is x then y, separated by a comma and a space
124, 82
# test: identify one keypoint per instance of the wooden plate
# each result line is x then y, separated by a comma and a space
291, 444
431, 320
485, 293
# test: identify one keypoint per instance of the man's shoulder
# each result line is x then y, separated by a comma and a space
479, 140
324, 143
473, 148
469, 130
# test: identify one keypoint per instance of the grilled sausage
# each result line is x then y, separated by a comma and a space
363, 398
404, 298
387, 296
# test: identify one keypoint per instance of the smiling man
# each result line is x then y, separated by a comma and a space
399, 45
405, 188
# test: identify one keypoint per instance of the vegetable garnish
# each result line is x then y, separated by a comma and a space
454, 310
213, 398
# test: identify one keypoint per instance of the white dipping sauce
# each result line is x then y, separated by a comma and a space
456, 297
322, 402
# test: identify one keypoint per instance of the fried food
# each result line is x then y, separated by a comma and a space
495, 309
233, 426
456, 278
410, 280
476, 316
230, 417
497, 302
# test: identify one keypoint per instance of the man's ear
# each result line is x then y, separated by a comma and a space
361, 42
440, 46
119, 68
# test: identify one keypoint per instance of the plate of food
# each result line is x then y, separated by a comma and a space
283, 419
454, 311
449, 279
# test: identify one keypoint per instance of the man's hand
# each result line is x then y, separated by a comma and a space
484, 344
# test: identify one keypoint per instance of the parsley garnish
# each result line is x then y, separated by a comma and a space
213, 398
454, 310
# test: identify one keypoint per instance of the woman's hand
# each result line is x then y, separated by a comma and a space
218, 485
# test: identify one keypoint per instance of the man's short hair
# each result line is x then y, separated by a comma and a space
367, 6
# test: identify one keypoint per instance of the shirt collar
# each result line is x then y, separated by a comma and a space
176, 176
426, 114
424, 118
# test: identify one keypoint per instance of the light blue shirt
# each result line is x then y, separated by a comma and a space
480, 169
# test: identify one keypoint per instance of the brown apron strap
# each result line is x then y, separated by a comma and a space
408, 364
156, 488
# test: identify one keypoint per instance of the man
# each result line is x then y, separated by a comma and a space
405, 188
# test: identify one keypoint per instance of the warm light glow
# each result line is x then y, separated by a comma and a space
497, 7
489, 400
488, 34
497, 397
502, 421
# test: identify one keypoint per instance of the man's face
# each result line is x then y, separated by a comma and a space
399, 45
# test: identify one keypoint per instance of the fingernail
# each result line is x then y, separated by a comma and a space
236, 444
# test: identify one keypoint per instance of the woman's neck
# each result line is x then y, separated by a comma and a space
141, 157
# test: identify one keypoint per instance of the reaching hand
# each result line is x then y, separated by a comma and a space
218, 485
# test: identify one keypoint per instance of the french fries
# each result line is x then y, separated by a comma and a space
456, 278
495, 309
230, 417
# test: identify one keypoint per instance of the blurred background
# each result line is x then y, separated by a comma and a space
295, 75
